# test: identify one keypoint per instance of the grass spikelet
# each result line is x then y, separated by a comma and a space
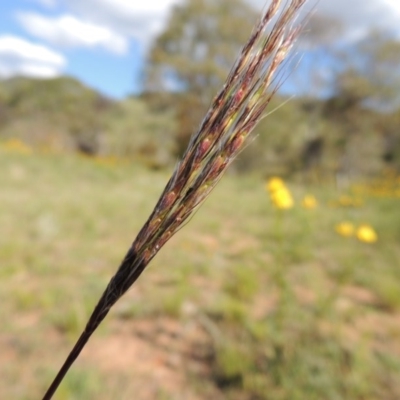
233, 114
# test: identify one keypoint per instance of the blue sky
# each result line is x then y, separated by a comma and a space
104, 42
113, 73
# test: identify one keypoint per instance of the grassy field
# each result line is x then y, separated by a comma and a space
245, 302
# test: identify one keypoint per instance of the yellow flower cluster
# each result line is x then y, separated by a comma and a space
364, 233
282, 199
280, 194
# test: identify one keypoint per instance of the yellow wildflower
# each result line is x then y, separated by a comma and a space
309, 202
345, 229
282, 198
367, 234
280, 195
275, 184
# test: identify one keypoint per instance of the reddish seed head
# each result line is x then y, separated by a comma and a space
204, 146
218, 166
168, 200
239, 95
237, 143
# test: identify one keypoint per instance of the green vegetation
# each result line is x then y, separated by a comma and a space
270, 304
63, 115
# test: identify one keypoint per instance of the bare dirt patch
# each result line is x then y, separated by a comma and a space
161, 353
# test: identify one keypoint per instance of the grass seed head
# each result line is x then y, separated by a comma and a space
234, 112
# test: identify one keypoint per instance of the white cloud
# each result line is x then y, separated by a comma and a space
68, 31
142, 20
20, 57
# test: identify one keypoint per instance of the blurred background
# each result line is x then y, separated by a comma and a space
286, 287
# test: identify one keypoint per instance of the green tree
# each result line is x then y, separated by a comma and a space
366, 92
194, 53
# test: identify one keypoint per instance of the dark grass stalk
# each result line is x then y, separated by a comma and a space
227, 125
